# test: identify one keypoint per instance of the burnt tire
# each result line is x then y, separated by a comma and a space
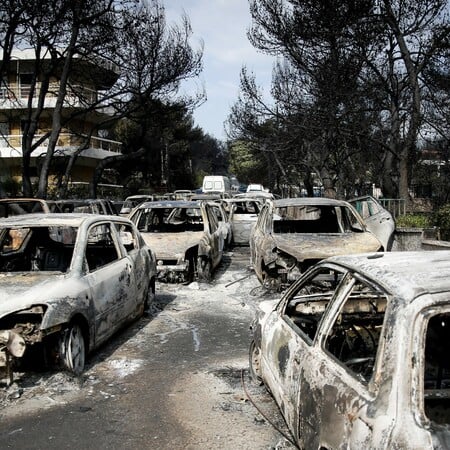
204, 269
151, 295
254, 360
72, 349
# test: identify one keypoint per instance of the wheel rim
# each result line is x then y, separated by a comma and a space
255, 362
75, 350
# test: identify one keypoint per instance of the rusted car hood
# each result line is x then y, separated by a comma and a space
21, 290
312, 246
168, 245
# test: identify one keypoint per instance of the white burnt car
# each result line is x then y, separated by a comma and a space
292, 234
186, 236
67, 283
243, 213
356, 352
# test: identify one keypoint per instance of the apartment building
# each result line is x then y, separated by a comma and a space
83, 90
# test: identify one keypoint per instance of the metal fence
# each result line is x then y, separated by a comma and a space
396, 206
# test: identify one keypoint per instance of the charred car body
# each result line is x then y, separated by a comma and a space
292, 234
356, 352
243, 214
185, 236
67, 283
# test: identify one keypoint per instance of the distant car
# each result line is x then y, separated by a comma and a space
355, 353
293, 234
88, 206
185, 235
256, 188
243, 214
23, 205
182, 194
132, 201
377, 219
67, 283
262, 195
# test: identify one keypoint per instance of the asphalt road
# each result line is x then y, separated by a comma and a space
176, 378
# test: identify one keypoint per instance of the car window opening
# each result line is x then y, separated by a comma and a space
305, 219
354, 337
437, 369
170, 220
308, 304
36, 249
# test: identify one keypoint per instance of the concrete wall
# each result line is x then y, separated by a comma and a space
410, 239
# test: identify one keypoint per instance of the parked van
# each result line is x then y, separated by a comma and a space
216, 183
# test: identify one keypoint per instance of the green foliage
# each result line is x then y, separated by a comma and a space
441, 219
413, 221
245, 164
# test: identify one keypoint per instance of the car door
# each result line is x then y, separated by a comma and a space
223, 222
214, 237
257, 237
338, 389
139, 269
110, 279
288, 337
377, 219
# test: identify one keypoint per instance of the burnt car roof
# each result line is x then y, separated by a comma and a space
55, 219
411, 273
170, 204
309, 201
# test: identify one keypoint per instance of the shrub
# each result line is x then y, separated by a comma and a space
441, 219
413, 221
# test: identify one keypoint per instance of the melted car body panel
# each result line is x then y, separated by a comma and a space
355, 353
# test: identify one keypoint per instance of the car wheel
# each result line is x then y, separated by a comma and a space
255, 363
151, 294
204, 269
73, 349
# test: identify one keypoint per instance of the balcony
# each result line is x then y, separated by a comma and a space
15, 96
68, 143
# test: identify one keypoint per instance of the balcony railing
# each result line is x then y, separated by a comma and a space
77, 95
69, 140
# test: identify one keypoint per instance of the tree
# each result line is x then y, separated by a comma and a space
154, 59
349, 87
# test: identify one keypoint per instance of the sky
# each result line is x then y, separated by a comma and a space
222, 26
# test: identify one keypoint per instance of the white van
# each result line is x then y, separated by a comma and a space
216, 183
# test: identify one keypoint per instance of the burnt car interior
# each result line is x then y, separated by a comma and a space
34, 249
437, 369
170, 220
305, 219
314, 219
354, 335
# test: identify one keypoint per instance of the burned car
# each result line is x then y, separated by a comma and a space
88, 206
185, 236
377, 219
67, 283
356, 351
292, 234
243, 213
18, 206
